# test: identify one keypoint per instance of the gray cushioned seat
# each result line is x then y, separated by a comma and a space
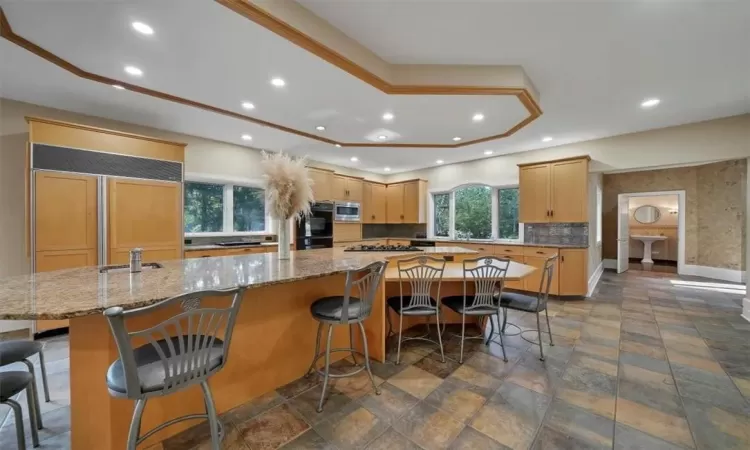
150, 368
395, 303
11, 383
520, 302
15, 351
456, 303
331, 308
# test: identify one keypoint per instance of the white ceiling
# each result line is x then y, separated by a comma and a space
593, 63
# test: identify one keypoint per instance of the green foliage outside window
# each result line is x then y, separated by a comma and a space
507, 202
249, 209
204, 207
442, 214
473, 206
473, 213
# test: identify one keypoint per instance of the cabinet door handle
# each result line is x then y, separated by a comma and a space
552, 212
562, 258
480, 248
539, 253
548, 213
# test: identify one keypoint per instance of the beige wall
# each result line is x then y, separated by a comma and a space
595, 250
714, 209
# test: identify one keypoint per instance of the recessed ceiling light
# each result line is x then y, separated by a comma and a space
278, 82
478, 117
247, 137
320, 128
456, 138
142, 28
248, 105
132, 70
546, 139
388, 116
354, 159
488, 152
382, 137
650, 103
439, 161
338, 145
386, 169
117, 86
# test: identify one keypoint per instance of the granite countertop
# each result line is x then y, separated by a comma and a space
459, 242
196, 247
69, 293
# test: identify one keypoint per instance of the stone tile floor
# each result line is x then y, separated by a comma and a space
652, 361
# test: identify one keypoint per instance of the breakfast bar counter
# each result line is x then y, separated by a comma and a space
273, 341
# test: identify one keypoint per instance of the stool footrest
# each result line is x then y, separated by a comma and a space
180, 419
339, 375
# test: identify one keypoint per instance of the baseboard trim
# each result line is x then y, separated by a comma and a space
595, 277
609, 263
717, 273
746, 309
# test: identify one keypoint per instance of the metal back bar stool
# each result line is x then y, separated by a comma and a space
535, 304
488, 275
180, 352
11, 383
20, 351
421, 272
346, 310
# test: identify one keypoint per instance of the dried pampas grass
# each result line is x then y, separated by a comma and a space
288, 188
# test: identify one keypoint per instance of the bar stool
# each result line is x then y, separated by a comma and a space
421, 272
488, 275
11, 383
346, 310
20, 351
531, 303
171, 363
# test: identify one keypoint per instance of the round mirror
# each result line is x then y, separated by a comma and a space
647, 214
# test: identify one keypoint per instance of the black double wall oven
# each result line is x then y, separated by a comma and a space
316, 231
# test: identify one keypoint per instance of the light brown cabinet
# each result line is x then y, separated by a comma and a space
573, 270
322, 180
555, 191
395, 203
230, 251
373, 203
346, 189
405, 202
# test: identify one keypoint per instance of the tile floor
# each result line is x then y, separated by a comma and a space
651, 362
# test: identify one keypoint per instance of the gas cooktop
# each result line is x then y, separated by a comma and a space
383, 248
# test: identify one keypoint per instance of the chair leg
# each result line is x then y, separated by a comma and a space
388, 318
351, 344
552, 344
135, 424
440, 336
539, 333
400, 329
505, 319
36, 394
17, 412
33, 415
463, 336
367, 358
213, 419
317, 350
327, 369
44, 376
502, 344
492, 331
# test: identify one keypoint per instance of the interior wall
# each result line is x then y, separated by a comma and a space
714, 209
595, 248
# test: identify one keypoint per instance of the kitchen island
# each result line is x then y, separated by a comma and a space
273, 339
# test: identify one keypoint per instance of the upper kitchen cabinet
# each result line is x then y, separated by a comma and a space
346, 189
554, 191
406, 202
373, 202
322, 180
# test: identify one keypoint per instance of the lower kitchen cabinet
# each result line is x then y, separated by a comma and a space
230, 251
573, 270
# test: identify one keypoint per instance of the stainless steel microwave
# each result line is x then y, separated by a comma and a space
347, 212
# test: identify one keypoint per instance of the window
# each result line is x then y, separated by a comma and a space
507, 213
473, 212
204, 207
476, 212
224, 208
441, 219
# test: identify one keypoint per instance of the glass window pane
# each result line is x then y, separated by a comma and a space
473, 212
442, 214
249, 209
507, 202
204, 207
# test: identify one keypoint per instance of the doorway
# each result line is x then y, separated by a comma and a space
651, 231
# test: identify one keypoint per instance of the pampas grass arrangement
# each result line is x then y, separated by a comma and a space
288, 193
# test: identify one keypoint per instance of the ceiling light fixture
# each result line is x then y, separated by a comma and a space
488, 152
388, 116
456, 138
650, 103
278, 82
132, 70
354, 159
439, 161
338, 145
478, 117
142, 28
117, 86
386, 169
382, 137
546, 139
320, 128
247, 137
248, 105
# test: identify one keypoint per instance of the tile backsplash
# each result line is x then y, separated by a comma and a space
556, 233
395, 230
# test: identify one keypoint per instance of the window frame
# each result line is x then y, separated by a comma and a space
452, 213
228, 184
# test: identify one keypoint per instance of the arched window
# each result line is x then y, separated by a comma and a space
476, 212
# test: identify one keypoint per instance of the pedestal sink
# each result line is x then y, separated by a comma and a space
647, 242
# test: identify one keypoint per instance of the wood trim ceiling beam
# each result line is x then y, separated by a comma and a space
281, 28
